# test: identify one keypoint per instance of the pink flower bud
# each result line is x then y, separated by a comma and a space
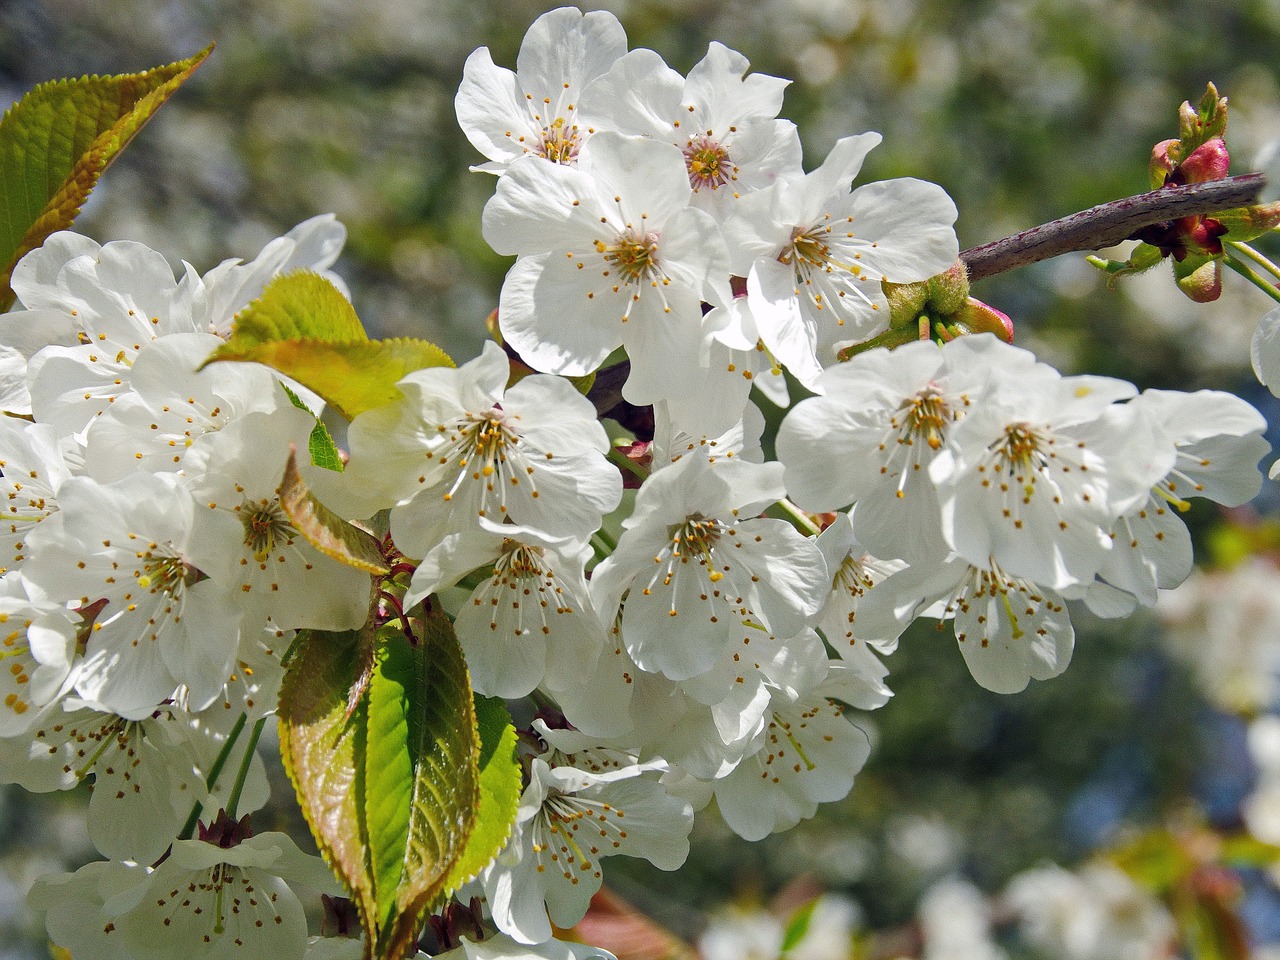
1161, 164
1202, 284
1209, 161
979, 317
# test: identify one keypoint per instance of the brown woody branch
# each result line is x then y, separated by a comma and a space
1110, 223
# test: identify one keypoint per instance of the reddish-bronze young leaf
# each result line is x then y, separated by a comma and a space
324, 529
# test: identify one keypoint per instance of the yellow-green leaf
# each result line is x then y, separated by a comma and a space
304, 327
324, 529
301, 305
56, 142
500, 784
353, 377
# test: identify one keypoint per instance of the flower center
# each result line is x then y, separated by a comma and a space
559, 141
489, 439
634, 255
696, 538
927, 417
264, 525
808, 248
1019, 453
708, 163
165, 574
520, 561
852, 577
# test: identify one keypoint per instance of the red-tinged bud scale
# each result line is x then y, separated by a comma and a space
1209, 161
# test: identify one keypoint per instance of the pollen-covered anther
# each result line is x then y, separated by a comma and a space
265, 525
708, 163
634, 255
559, 142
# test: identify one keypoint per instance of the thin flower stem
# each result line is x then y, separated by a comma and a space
622, 460
797, 517
1255, 256
189, 828
600, 548
1260, 282
243, 774
607, 539
1109, 223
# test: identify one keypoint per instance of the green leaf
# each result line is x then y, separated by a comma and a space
56, 142
305, 328
392, 789
388, 780
324, 529
798, 925
324, 452
444, 746
500, 788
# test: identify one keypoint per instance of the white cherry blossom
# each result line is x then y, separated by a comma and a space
533, 111
141, 792
75, 292
527, 623
723, 121
1218, 442
853, 573
611, 254
205, 900
1035, 475
1009, 629
154, 426
161, 624
461, 446
809, 754
37, 653
875, 428
502, 947
567, 821
815, 255
35, 462
695, 562
243, 540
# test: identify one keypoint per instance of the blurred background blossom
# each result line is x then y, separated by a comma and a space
1057, 823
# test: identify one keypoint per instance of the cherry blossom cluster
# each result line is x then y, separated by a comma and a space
704, 637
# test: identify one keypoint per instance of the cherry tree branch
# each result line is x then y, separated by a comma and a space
1110, 223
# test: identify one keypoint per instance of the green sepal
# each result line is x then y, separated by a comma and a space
1143, 258
1248, 223
1199, 277
324, 452
1199, 124
58, 139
